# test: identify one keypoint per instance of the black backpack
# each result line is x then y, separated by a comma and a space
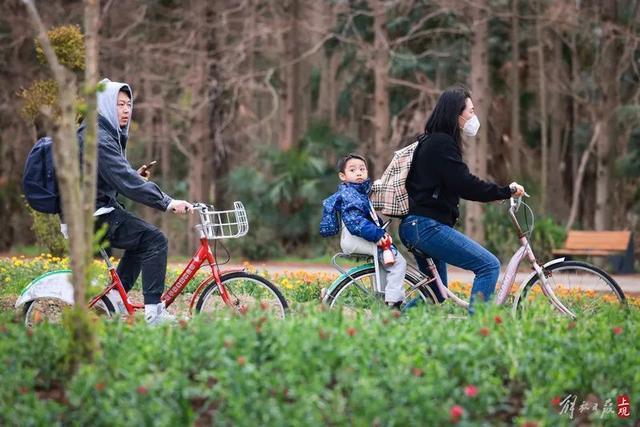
39, 181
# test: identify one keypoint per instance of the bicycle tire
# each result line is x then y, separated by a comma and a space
580, 300
209, 301
55, 307
339, 290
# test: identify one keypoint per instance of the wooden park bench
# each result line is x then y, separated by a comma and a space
615, 244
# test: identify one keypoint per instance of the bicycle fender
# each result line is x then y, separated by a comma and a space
340, 278
54, 284
528, 278
206, 282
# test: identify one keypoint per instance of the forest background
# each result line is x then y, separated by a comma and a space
255, 100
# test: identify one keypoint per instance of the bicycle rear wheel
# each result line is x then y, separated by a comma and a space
358, 293
247, 291
581, 287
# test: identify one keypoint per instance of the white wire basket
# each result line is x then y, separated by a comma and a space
229, 224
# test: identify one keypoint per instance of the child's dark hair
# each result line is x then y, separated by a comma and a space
342, 162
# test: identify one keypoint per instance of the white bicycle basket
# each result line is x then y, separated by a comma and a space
229, 224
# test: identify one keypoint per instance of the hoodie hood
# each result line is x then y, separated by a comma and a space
107, 104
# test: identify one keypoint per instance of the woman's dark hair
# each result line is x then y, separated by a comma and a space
444, 117
342, 162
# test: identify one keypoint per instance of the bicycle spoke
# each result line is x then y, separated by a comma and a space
357, 294
581, 288
247, 293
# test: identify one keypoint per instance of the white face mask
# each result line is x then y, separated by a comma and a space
471, 127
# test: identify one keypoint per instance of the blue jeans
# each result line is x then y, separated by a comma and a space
445, 245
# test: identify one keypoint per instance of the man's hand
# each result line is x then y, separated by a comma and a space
144, 172
180, 207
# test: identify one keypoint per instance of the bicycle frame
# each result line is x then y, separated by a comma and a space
202, 255
510, 273
525, 250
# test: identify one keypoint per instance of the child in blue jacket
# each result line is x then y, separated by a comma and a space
361, 232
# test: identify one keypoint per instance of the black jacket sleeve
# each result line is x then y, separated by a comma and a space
115, 169
456, 176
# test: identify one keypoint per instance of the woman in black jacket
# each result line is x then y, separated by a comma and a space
438, 178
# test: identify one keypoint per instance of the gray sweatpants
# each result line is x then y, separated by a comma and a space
393, 276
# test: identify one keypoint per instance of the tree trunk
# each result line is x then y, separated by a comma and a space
328, 64
602, 216
146, 120
516, 137
575, 117
557, 201
577, 184
477, 147
381, 94
607, 77
543, 110
199, 136
77, 201
292, 76
165, 167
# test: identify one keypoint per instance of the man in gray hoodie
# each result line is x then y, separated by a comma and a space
145, 247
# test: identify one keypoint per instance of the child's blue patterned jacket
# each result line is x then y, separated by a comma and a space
351, 204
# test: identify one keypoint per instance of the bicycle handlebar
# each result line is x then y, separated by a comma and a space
198, 205
515, 203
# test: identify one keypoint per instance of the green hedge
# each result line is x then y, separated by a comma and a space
319, 367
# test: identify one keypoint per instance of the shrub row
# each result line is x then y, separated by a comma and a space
323, 367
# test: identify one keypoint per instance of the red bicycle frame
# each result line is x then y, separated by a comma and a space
202, 254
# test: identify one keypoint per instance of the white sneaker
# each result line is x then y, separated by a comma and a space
157, 314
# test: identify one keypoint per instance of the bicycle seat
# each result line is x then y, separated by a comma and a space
418, 253
355, 256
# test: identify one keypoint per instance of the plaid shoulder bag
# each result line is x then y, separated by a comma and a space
389, 194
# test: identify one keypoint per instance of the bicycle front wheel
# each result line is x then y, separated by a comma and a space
358, 292
580, 287
247, 292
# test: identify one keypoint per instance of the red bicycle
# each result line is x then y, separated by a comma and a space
45, 297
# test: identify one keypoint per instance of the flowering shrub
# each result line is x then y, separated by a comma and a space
321, 367
300, 286
297, 286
